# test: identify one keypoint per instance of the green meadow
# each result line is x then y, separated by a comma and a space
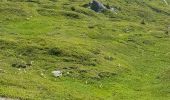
102, 56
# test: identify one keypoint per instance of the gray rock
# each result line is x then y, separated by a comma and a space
57, 73
97, 6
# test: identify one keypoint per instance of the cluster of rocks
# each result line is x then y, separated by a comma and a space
99, 7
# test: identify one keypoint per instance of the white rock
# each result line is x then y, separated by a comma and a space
57, 73
2, 98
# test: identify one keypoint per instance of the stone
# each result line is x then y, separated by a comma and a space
97, 6
57, 73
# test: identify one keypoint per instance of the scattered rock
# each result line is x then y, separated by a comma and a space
57, 73
97, 6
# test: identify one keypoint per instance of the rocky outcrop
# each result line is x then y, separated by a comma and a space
97, 6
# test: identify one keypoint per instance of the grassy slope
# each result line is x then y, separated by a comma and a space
108, 56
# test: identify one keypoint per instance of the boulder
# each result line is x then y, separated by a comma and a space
97, 6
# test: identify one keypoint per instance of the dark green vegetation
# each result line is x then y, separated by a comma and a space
103, 56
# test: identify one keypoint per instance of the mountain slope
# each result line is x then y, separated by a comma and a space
103, 56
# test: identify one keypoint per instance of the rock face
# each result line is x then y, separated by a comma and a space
97, 6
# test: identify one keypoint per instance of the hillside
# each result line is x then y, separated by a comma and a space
121, 55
